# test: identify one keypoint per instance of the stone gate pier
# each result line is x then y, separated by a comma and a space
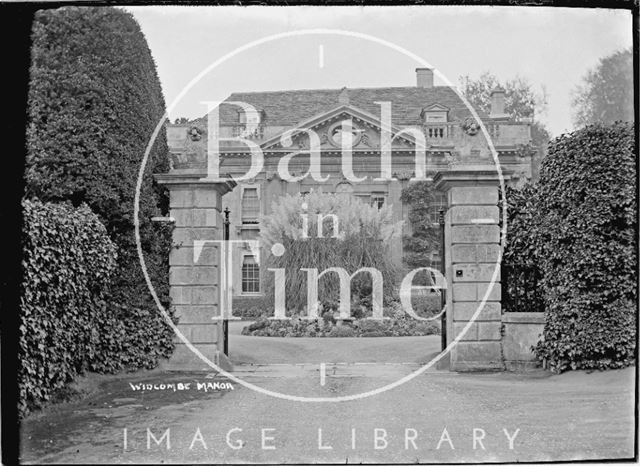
195, 205
472, 246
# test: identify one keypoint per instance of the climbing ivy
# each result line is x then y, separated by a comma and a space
587, 207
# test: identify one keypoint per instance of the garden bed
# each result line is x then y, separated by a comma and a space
299, 327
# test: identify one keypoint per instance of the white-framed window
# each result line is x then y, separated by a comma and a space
250, 274
250, 204
250, 124
378, 200
435, 117
435, 113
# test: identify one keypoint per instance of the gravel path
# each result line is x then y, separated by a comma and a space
271, 350
574, 416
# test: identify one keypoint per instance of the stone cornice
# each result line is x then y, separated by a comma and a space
469, 174
193, 178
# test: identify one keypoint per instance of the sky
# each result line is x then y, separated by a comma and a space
553, 48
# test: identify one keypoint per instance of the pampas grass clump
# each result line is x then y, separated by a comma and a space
360, 238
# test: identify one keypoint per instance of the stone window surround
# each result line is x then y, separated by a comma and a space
243, 255
244, 187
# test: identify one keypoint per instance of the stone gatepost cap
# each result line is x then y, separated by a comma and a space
470, 175
182, 178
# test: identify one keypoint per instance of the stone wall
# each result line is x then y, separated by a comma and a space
522, 330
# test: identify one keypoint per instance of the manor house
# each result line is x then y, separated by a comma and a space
451, 133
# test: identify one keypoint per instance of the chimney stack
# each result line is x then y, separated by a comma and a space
424, 77
498, 103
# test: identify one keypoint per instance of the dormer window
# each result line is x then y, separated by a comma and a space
435, 113
250, 117
251, 124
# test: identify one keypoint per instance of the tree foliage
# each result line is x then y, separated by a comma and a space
361, 239
520, 98
521, 101
588, 237
94, 101
606, 92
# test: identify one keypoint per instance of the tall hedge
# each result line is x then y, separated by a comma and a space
68, 262
588, 251
94, 101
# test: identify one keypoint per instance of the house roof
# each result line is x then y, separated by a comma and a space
289, 108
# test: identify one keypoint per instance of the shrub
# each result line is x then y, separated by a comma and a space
94, 101
248, 308
296, 327
587, 204
259, 324
341, 331
366, 325
426, 305
68, 260
427, 328
363, 234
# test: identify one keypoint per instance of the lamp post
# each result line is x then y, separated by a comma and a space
443, 296
225, 322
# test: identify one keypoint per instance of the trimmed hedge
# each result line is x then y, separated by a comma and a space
68, 262
588, 249
94, 101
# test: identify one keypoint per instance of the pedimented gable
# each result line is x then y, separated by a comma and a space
358, 129
436, 108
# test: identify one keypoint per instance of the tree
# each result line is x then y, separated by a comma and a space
425, 235
94, 101
606, 92
521, 101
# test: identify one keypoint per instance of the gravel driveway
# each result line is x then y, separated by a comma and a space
433, 418
296, 350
